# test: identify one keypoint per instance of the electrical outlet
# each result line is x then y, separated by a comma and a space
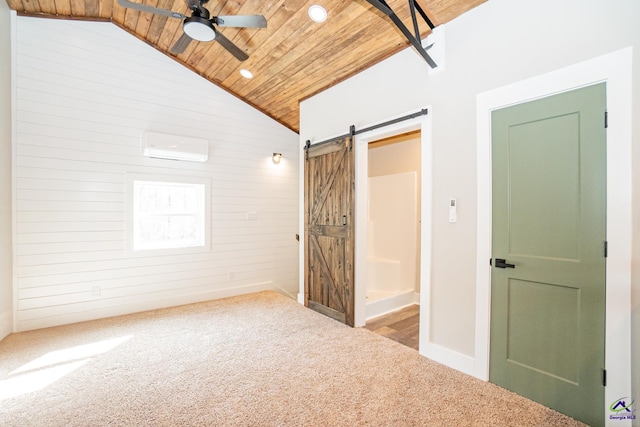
232, 275
252, 216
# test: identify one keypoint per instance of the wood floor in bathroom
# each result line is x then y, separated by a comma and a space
402, 326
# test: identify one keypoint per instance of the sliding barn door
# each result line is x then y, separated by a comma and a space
329, 228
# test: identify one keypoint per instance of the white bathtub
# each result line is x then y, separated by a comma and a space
385, 292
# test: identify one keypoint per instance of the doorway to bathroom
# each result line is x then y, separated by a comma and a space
393, 225
387, 136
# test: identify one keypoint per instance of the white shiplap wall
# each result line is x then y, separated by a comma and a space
6, 218
85, 93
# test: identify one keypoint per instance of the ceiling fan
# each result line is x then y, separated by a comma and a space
200, 26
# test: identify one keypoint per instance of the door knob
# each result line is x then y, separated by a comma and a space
501, 263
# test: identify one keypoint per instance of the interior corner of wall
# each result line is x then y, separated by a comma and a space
6, 323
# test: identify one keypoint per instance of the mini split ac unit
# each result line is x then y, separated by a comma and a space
175, 147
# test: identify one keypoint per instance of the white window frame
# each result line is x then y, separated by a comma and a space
131, 179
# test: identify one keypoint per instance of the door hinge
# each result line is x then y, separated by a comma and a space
606, 119
604, 377
606, 249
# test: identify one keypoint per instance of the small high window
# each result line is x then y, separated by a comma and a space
169, 214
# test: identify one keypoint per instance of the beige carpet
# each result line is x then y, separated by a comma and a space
254, 360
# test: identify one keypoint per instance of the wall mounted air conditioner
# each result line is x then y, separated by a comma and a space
175, 147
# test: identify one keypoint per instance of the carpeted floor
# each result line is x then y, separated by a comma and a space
254, 360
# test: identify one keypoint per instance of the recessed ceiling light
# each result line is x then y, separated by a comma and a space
317, 13
246, 74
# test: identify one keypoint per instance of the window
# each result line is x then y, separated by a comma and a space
169, 214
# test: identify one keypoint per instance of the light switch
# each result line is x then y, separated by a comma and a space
453, 213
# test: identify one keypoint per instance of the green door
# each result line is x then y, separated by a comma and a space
548, 274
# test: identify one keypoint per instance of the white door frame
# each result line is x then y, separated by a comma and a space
615, 70
423, 124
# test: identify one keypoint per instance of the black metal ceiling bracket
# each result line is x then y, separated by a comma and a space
414, 19
424, 15
382, 6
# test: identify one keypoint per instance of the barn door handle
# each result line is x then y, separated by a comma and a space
501, 263
344, 220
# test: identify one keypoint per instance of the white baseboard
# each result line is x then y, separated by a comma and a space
382, 307
391, 304
450, 358
143, 305
289, 292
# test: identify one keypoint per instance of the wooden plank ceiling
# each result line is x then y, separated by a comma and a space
292, 59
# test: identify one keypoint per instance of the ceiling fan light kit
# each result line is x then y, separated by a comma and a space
200, 25
199, 29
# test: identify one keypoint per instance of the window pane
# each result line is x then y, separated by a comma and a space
169, 231
167, 198
168, 215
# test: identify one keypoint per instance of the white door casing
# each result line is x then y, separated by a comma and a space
422, 123
615, 70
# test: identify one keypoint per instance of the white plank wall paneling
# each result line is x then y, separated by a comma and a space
85, 94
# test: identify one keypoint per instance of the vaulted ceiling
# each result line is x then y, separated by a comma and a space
292, 59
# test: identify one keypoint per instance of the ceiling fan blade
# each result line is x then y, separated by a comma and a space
150, 9
232, 48
244, 21
181, 44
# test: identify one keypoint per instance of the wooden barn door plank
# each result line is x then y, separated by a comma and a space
329, 183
